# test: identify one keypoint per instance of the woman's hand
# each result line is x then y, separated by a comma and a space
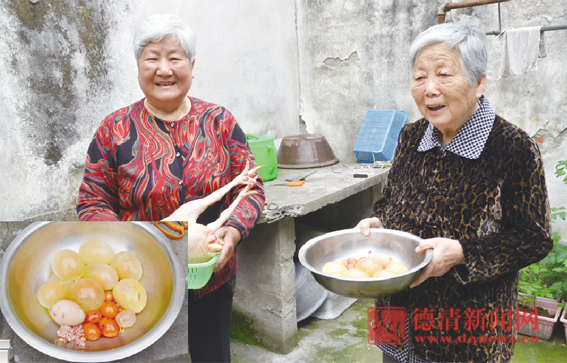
446, 254
230, 237
368, 223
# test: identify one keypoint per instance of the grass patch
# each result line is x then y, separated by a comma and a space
241, 330
337, 333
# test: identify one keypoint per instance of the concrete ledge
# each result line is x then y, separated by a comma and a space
264, 306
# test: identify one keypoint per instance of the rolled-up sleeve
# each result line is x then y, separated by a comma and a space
248, 211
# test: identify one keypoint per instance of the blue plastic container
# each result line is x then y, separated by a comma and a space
378, 135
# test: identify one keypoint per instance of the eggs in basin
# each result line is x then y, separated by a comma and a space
378, 265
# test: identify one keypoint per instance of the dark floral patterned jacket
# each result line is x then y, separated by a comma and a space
497, 207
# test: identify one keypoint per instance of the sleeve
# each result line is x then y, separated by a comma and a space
248, 211
98, 193
525, 236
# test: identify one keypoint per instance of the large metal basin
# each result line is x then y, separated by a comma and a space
400, 246
26, 265
305, 151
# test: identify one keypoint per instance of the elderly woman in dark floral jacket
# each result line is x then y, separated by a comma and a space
472, 185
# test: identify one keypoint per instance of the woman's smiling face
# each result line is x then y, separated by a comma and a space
165, 74
442, 92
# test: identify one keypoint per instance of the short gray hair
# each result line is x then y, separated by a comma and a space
466, 39
157, 27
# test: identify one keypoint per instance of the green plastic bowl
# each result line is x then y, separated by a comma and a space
200, 273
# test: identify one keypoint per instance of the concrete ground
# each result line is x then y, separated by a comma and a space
344, 340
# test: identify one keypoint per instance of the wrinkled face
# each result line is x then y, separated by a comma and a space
442, 92
164, 73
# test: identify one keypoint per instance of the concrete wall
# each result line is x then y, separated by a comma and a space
63, 68
353, 57
65, 65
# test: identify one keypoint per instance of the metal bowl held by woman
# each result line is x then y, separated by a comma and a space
27, 264
350, 243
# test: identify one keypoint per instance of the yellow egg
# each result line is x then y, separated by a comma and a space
52, 291
96, 252
356, 273
87, 293
130, 295
396, 268
127, 265
383, 273
102, 273
368, 266
341, 261
68, 265
334, 268
382, 259
327, 267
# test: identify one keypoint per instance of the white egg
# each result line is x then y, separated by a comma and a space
67, 312
125, 318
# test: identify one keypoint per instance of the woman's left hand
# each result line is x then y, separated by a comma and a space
446, 254
230, 237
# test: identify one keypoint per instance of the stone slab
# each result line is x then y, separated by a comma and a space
326, 186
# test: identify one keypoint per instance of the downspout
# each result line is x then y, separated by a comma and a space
444, 8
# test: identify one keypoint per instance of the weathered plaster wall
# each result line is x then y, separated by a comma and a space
353, 57
59, 76
535, 101
67, 64
247, 61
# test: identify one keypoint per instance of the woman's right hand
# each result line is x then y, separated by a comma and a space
368, 223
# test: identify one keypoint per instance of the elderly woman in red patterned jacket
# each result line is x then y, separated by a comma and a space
149, 158
472, 186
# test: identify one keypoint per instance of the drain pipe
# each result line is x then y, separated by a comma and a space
443, 9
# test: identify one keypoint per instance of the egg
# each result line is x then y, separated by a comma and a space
382, 259
368, 266
342, 262
356, 273
351, 261
125, 318
105, 275
130, 295
396, 268
127, 265
67, 312
383, 273
96, 252
334, 268
52, 291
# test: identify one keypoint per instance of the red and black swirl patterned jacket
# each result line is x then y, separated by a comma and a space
141, 168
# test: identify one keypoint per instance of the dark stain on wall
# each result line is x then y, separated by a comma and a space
65, 47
